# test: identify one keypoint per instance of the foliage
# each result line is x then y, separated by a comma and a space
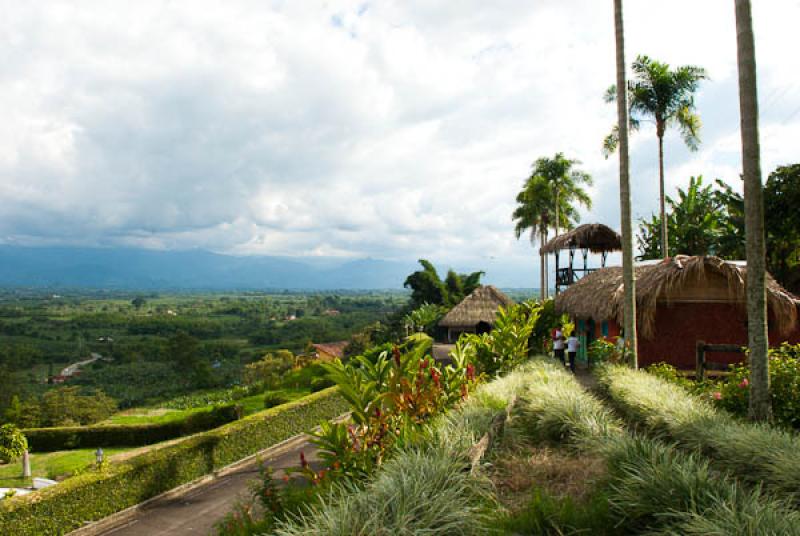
553, 188
132, 435
12, 443
546, 514
64, 406
506, 346
269, 370
667, 372
389, 399
604, 351
541, 336
784, 378
425, 317
428, 288
782, 221
91, 496
665, 95
273, 399
700, 221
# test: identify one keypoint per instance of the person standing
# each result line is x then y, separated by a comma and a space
558, 344
573, 343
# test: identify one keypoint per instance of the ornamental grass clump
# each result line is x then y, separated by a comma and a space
757, 453
427, 489
556, 408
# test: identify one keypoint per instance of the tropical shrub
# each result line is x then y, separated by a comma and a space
273, 399
784, 375
12, 443
93, 495
269, 369
506, 346
425, 317
603, 351
388, 398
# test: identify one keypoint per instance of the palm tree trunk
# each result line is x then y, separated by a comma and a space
628, 273
757, 334
558, 215
542, 291
664, 234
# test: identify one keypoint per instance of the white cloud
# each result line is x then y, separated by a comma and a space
394, 129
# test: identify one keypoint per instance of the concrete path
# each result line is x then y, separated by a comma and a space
200, 508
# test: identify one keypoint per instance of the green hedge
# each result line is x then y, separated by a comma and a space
91, 496
133, 435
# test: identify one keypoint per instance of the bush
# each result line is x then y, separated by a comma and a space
274, 399
602, 351
91, 496
784, 377
318, 384
12, 443
133, 435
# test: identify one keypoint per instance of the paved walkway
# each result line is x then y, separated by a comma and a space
198, 510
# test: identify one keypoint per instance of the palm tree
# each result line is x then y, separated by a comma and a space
567, 185
533, 213
552, 190
628, 274
666, 96
758, 342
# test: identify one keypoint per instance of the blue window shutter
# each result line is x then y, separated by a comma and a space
604, 328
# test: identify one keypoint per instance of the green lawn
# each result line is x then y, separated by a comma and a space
151, 415
51, 465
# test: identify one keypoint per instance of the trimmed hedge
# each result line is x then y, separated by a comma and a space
133, 435
91, 496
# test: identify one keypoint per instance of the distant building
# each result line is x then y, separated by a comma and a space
476, 313
331, 312
330, 350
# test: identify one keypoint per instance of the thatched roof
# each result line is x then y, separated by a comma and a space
600, 295
595, 237
480, 306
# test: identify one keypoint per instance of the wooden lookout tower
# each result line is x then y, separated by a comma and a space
588, 238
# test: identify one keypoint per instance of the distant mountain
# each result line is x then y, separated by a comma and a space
125, 268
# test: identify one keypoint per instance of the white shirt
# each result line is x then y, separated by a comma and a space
558, 340
573, 343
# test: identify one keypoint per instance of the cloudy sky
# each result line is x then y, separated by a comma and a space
386, 129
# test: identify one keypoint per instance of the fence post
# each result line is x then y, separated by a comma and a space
700, 373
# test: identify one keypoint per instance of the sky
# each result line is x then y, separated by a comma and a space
384, 129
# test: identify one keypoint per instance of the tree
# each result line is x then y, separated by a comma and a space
758, 342
548, 199
13, 443
138, 302
533, 213
628, 273
427, 287
698, 222
782, 221
666, 96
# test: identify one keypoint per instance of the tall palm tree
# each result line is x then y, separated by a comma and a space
552, 190
628, 273
567, 186
758, 342
666, 97
534, 213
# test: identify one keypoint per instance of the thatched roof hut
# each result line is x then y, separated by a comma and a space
595, 237
480, 307
599, 296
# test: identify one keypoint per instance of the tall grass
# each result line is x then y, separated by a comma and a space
650, 486
422, 490
757, 453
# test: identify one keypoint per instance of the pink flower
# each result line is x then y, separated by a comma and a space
717, 395
744, 383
